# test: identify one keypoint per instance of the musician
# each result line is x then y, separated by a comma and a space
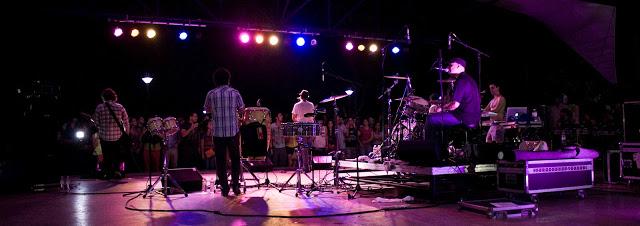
225, 105
304, 106
109, 132
464, 105
497, 105
462, 108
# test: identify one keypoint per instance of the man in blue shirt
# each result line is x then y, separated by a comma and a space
225, 105
463, 107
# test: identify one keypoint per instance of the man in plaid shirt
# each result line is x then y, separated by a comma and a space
225, 105
109, 132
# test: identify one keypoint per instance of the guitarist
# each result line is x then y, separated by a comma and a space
113, 125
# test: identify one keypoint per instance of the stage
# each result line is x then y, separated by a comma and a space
98, 202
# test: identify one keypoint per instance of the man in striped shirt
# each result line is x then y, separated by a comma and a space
225, 105
109, 132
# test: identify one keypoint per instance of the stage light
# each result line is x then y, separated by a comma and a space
314, 42
135, 33
373, 48
395, 50
273, 40
361, 47
259, 38
151, 33
183, 35
349, 46
117, 32
147, 79
349, 92
80, 134
244, 37
300, 41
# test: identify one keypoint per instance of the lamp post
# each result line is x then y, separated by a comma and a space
147, 78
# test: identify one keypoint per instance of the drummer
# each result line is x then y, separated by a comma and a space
304, 106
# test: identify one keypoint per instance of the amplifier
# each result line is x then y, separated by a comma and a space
630, 161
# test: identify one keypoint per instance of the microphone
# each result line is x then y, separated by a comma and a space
449, 40
323, 62
408, 35
441, 69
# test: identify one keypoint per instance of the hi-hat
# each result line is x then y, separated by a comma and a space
397, 77
332, 98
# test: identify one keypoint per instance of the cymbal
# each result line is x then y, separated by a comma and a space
415, 99
447, 81
332, 98
397, 77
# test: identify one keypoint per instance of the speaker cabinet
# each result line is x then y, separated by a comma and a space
188, 178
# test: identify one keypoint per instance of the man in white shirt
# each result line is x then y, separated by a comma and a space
303, 106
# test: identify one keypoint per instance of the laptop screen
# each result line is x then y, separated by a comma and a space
516, 113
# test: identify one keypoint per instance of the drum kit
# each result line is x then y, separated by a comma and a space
410, 117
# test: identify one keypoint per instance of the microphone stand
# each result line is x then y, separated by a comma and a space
386, 135
479, 55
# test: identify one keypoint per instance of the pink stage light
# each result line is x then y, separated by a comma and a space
349, 46
117, 32
244, 37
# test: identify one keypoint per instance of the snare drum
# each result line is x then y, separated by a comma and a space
257, 114
155, 126
170, 125
304, 129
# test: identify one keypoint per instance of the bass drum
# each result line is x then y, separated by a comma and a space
409, 129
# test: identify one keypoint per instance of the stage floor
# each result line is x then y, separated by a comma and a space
86, 205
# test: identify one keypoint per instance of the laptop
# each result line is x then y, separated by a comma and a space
517, 114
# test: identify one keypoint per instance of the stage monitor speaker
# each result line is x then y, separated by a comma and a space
258, 164
419, 152
322, 161
188, 178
